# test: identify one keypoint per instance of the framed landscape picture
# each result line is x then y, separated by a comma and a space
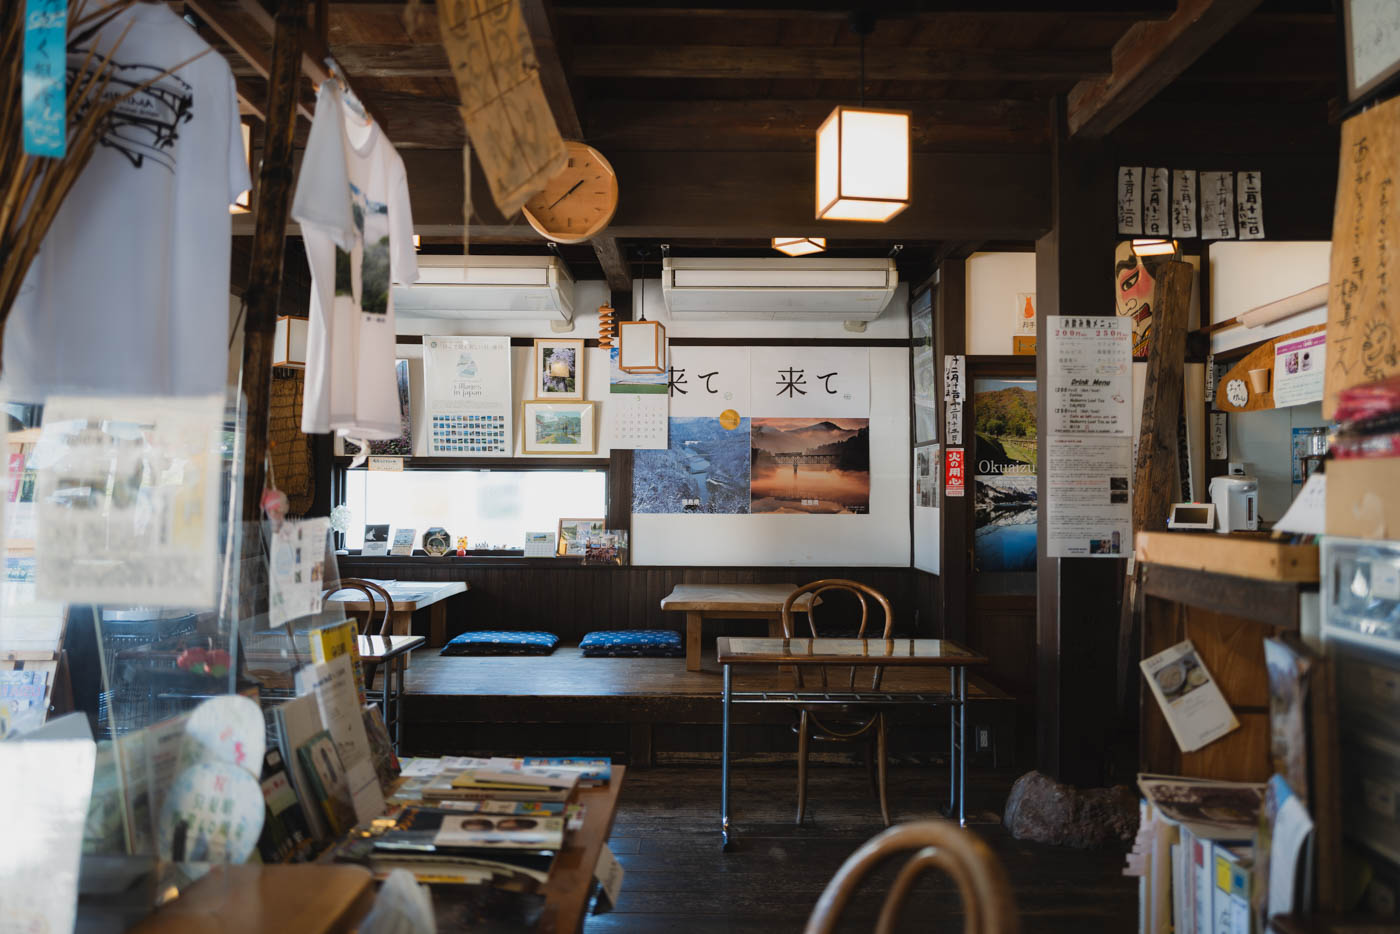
575, 533
558, 369
558, 427
1370, 39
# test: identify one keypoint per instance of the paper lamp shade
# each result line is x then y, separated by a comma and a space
1154, 247
641, 347
289, 341
799, 246
862, 164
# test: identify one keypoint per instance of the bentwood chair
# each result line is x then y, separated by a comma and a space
988, 906
846, 724
373, 594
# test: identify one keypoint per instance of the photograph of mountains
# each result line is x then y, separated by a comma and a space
1004, 470
810, 465
704, 470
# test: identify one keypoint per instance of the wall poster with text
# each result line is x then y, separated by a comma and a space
1005, 460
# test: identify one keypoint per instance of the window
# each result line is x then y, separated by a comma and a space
489, 507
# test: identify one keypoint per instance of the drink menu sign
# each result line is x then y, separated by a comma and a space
1088, 436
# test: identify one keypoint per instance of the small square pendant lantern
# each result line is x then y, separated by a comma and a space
799, 246
862, 164
641, 346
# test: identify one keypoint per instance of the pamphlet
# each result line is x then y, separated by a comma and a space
333, 685
403, 542
1211, 810
297, 569
1190, 700
491, 830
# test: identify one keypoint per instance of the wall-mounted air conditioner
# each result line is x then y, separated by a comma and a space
807, 289
518, 287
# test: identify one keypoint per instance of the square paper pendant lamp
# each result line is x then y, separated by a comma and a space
289, 341
862, 164
641, 347
799, 246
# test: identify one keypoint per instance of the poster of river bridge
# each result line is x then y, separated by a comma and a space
819, 466
1004, 472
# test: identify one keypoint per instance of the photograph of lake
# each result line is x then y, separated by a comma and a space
810, 465
704, 470
1004, 471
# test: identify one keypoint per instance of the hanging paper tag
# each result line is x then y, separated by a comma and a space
45, 77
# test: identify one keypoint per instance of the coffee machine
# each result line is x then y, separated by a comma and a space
1236, 502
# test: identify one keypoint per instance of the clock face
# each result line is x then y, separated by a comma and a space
579, 201
1236, 393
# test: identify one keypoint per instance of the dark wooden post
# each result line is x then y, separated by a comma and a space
265, 273
620, 462
1076, 598
950, 337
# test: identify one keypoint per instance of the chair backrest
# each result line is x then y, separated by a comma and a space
374, 593
988, 905
861, 591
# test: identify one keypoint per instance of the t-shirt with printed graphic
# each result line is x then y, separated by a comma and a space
352, 204
129, 294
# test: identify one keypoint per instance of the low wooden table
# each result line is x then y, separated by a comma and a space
253, 899
700, 602
409, 597
392, 653
887, 653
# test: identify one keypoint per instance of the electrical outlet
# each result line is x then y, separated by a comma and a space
984, 739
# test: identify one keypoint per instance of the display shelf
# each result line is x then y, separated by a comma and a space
1236, 554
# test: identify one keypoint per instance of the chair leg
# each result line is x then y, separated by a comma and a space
880, 754
803, 735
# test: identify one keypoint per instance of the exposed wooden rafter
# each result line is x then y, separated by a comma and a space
1147, 59
246, 42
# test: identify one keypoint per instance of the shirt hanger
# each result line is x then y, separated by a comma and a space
346, 94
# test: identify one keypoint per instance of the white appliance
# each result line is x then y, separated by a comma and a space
807, 289
517, 287
1236, 502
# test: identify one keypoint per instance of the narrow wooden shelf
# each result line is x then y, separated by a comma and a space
1245, 554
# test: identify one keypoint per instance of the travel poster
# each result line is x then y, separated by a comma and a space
704, 469
819, 466
1006, 459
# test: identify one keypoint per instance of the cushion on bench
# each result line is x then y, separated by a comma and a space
498, 642
633, 643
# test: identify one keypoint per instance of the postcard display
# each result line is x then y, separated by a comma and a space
761, 431
1088, 463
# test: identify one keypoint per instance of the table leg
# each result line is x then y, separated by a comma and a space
692, 641
952, 741
437, 624
962, 747
724, 766
402, 625
398, 699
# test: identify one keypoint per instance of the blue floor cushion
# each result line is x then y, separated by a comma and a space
633, 643
497, 642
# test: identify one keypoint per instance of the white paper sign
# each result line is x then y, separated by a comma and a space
296, 569
1299, 365
1184, 203
636, 422
1025, 313
127, 500
467, 394
385, 462
1190, 700
954, 392
704, 382
1249, 202
1129, 199
1219, 437
1156, 203
1090, 375
809, 382
609, 873
1088, 502
1308, 514
1217, 205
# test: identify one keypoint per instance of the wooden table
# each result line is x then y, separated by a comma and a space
886, 653
250, 899
729, 601
392, 653
409, 597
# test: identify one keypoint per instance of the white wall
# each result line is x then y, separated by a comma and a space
1263, 440
993, 282
1249, 274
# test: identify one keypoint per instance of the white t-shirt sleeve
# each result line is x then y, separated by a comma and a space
323, 191
404, 258
239, 180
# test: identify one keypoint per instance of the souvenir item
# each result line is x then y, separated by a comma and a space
436, 541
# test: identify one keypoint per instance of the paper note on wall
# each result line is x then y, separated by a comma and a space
1217, 205
1156, 204
1129, 199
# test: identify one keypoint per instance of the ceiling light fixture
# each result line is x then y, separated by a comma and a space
862, 155
1154, 246
799, 246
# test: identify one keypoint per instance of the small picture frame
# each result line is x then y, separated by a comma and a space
558, 370
575, 533
558, 427
376, 539
1370, 44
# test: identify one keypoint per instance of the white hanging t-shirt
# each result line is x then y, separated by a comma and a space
352, 204
129, 294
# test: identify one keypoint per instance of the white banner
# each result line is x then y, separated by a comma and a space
1184, 203
1217, 205
705, 382
1129, 199
1156, 203
809, 382
954, 392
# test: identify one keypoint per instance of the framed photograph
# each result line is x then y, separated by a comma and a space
558, 427
558, 369
607, 547
1370, 38
575, 533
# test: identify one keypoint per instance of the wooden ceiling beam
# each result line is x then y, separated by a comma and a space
812, 63
248, 43
841, 9
1147, 59
561, 101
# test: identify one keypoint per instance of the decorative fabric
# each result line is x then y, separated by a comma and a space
498, 642
633, 643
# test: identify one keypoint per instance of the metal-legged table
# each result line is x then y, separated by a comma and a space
391, 653
885, 653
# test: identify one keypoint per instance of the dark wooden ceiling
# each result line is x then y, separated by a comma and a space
707, 97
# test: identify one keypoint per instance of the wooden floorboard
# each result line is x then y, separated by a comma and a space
678, 880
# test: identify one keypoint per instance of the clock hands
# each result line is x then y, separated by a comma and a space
567, 193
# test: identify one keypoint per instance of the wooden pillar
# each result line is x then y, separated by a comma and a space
950, 337
1077, 599
620, 462
265, 270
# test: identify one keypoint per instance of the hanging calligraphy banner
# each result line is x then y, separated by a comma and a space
1217, 205
1249, 202
1184, 203
1363, 323
799, 382
954, 392
1156, 205
1129, 199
